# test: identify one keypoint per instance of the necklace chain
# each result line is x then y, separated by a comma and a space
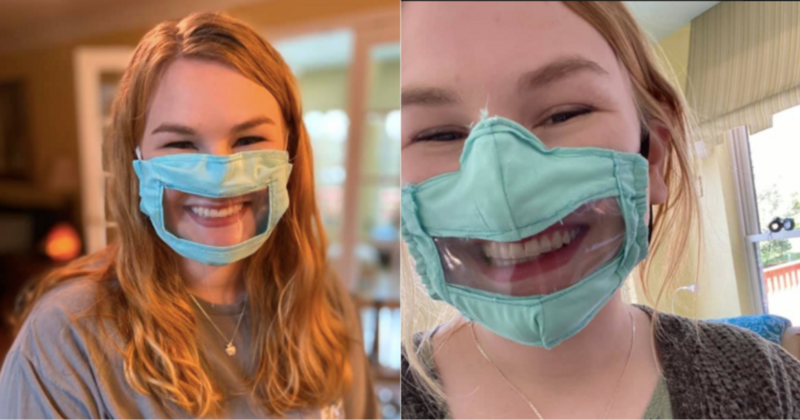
527, 400
229, 343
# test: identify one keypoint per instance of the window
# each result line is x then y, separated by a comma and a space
774, 185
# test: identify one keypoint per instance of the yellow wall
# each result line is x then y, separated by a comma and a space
718, 294
675, 53
721, 289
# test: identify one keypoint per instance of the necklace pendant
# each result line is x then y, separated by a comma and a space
230, 349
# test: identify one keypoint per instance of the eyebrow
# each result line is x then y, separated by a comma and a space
558, 70
188, 131
429, 97
555, 71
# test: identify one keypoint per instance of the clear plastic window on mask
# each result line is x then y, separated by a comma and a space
557, 257
214, 221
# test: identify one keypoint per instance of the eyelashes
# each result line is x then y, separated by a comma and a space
182, 145
447, 133
190, 145
246, 141
457, 133
564, 116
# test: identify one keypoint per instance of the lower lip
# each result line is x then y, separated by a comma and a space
543, 264
213, 222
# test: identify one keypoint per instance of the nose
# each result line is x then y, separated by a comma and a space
219, 147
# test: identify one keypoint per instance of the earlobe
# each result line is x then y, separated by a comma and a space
659, 139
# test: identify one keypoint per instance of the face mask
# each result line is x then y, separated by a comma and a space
529, 242
214, 209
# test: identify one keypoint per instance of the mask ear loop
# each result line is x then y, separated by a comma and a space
644, 150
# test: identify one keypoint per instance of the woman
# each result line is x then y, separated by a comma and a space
216, 301
536, 137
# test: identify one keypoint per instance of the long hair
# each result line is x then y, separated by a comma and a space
656, 100
299, 336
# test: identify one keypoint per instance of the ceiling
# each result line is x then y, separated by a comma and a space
26, 24
661, 18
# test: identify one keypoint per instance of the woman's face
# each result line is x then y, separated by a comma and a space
206, 107
536, 63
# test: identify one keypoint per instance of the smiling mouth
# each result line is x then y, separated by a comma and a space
217, 215
216, 212
505, 254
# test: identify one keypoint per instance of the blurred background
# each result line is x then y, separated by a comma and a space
60, 63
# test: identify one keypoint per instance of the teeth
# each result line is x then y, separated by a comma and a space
558, 240
566, 238
217, 213
532, 248
516, 251
504, 254
546, 245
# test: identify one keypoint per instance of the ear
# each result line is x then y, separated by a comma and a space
659, 139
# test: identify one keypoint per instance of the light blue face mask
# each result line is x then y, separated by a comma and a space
261, 175
529, 242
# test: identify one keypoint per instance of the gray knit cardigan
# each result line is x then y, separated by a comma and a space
713, 371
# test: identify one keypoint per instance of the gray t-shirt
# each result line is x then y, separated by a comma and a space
62, 366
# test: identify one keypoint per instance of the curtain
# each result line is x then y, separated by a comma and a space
744, 66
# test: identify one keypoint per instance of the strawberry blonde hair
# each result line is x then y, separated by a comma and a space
656, 100
299, 336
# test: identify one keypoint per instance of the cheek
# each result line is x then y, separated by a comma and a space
619, 132
174, 199
419, 163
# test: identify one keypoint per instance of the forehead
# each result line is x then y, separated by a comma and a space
185, 79
489, 44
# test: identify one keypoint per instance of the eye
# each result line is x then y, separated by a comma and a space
184, 145
564, 116
246, 141
449, 133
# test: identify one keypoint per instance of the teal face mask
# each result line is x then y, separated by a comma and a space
529, 242
214, 209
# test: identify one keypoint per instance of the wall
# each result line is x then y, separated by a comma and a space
721, 289
50, 113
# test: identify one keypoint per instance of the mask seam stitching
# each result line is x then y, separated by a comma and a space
503, 181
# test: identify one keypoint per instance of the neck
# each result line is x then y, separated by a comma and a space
215, 284
607, 338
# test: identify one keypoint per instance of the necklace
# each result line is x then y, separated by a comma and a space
527, 400
229, 347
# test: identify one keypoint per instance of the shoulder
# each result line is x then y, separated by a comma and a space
50, 369
736, 346
418, 402
62, 320
65, 303
726, 369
